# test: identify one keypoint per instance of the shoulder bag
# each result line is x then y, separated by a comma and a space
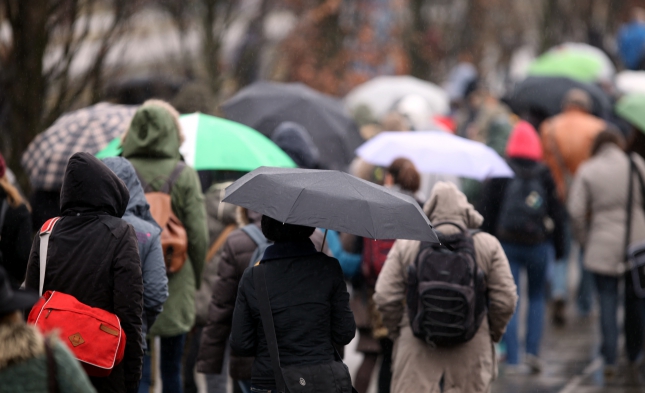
330, 377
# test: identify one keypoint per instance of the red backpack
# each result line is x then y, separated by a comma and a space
374, 256
93, 335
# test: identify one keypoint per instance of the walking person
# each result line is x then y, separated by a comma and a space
151, 144
566, 141
471, 365
15, 229
308, 301
30, 362
93, 256
153, 267
598, 208
525, 214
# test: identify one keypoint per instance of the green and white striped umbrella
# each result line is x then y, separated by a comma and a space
213, 143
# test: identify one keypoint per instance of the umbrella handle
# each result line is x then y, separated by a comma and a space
323, 242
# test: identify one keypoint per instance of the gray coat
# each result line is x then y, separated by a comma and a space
153, 268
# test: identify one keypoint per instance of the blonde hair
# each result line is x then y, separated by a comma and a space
13, 195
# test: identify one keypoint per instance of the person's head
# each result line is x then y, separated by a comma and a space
403, 173
524, 142
279, 232
294, 140
13, 301
577, 99
154, 132
13, 195
608, 136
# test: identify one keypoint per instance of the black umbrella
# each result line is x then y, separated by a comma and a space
264, 105
331, 200
537, 97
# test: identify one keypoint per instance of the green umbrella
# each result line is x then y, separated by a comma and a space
631, 107
215, 143
578, 65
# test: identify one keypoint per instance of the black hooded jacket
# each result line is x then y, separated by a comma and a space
93, 255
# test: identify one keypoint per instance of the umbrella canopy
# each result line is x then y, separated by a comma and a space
541, 97
630, 81
381, 93
632, 108
436, 152
85, 130
331, 200
213, 143
578, 61
264, 105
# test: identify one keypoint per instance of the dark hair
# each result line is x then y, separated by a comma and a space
405, 174
609, 135
279, 232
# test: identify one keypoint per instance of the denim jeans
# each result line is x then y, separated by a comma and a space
608, 296
535, 260
585, 287
172, 349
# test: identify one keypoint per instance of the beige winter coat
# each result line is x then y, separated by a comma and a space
598, 208
470, 367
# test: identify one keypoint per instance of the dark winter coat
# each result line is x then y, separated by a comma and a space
153, 267
235, 258
94, 256
493, 196
15, 240
310, 305
297, 143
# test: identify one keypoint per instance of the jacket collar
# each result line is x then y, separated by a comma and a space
289, 250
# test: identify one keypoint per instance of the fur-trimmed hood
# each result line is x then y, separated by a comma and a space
19, 342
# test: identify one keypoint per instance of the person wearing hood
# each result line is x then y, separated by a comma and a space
151, 144
30, 362
525, 248
93, 255
153, 267
297, 143
468, 367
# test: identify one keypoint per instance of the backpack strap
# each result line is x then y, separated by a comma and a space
264, 304
174, 175
219, 242
45, 232
255, 234
461, 228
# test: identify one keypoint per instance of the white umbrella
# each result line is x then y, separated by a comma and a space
436, 152
380, 94
631, 81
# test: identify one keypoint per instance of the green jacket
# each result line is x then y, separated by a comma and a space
152, 146
23, 363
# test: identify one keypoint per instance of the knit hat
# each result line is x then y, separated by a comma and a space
524, 142
3, 166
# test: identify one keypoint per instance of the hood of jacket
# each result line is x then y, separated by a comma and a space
19, 342
297, 143
138, 205
448, 204
91, 187
154, 132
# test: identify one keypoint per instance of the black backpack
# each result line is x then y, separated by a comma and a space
447, 290
524, 209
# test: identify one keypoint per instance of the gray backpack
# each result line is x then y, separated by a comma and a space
257, 236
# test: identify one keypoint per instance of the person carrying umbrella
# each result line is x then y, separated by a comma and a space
566, 141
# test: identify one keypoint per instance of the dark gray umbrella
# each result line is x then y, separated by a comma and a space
540, 97
264, 105
331, 200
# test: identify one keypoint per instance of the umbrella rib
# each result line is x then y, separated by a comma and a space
369, 208
300, 193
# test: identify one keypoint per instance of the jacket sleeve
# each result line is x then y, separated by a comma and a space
155, 280
502, 292
578, 206
128, 301
557, 213
69, 373
343, 326
244, 339
391, 286
194, 220
220, 314
33, 266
